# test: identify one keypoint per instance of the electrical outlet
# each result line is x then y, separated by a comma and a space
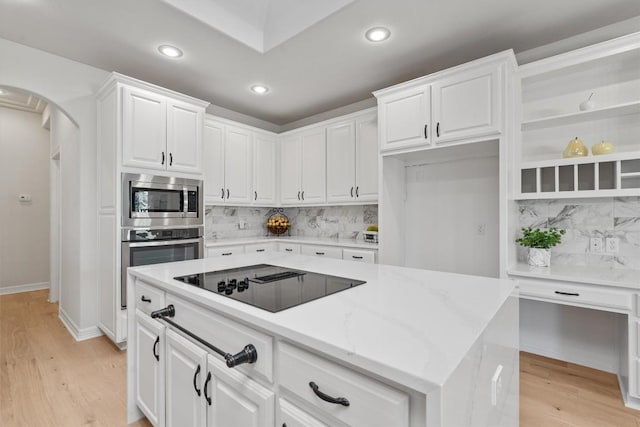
242, 225
482, 229
612, 244
595, 245
496, 385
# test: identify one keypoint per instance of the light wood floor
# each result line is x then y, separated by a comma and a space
48, 379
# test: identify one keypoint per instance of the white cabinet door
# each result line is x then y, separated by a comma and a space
405, 118
186, 370
236, 400
237, 165
313, 152
144, 129
224, 251
467, 104
213, 162
184, 137
150, 356
264, 169
290, 248
260, 247
341, 162
359, 255
321, 251
290, 171
366, 158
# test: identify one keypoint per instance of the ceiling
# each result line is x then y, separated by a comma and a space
309, 71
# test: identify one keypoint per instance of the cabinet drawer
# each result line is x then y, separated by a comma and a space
148, 298
290, 248
225, 334
324, 251
224, 251
370, 403
365, 256
579, 295
260, 247
292, 416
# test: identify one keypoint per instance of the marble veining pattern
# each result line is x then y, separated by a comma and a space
585, 218
222, 222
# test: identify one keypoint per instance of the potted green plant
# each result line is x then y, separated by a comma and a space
540, 243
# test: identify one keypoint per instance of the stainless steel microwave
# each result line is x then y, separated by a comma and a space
160, 201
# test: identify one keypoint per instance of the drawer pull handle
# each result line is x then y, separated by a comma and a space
319, 253
356, 257
288, 249
337, 400
206, 384
145, 299
155, 347
259, 250
195, 381
227, 253
570, 294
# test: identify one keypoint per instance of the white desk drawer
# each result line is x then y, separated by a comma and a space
323, 251
371, 403
290, 248
359, 255
260, 248
599, 297
148, 298
224, 251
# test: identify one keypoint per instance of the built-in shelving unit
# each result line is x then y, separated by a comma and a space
552, 91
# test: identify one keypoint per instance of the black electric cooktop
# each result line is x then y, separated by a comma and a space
270, 287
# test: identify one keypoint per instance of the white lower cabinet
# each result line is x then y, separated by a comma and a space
235, 399
322, 251
292, 416
224, 251
290, 248
149, 387
186, 366
359, 255
261, 247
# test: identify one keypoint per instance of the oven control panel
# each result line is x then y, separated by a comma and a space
143, 235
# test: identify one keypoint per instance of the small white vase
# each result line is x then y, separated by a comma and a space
539, 257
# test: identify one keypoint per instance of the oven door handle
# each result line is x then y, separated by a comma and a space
162, 242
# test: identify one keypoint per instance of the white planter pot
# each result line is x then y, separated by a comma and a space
539, 257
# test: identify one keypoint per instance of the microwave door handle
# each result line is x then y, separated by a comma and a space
162, 242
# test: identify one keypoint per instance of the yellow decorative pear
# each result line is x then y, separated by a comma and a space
576, 148
602, 147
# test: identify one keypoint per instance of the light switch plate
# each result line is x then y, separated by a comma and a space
595, 245
612, 244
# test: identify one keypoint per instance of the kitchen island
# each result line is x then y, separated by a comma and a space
407, 348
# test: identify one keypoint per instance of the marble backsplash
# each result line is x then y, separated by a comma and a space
223, 222
585, 218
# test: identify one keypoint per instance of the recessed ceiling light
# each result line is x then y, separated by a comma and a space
377, 34
259, 89
170, 51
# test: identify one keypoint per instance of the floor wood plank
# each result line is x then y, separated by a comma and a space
49, 379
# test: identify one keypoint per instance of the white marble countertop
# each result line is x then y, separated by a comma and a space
410, 326
326, 241
582, 274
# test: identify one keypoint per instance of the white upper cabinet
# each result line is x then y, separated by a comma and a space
352, 160
237, 165
303, 167
405, 118
144, 129
460, 104
341, 162
367, 158
184, 137
467, 104
290, 170
264, 169
159, 132
313, 153
213, 149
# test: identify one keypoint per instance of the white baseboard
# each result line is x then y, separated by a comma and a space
77, 333
24, 288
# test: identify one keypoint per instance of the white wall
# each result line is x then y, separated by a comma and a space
24, 169
70, 86
445, 205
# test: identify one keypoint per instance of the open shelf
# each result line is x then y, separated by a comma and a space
583, 116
